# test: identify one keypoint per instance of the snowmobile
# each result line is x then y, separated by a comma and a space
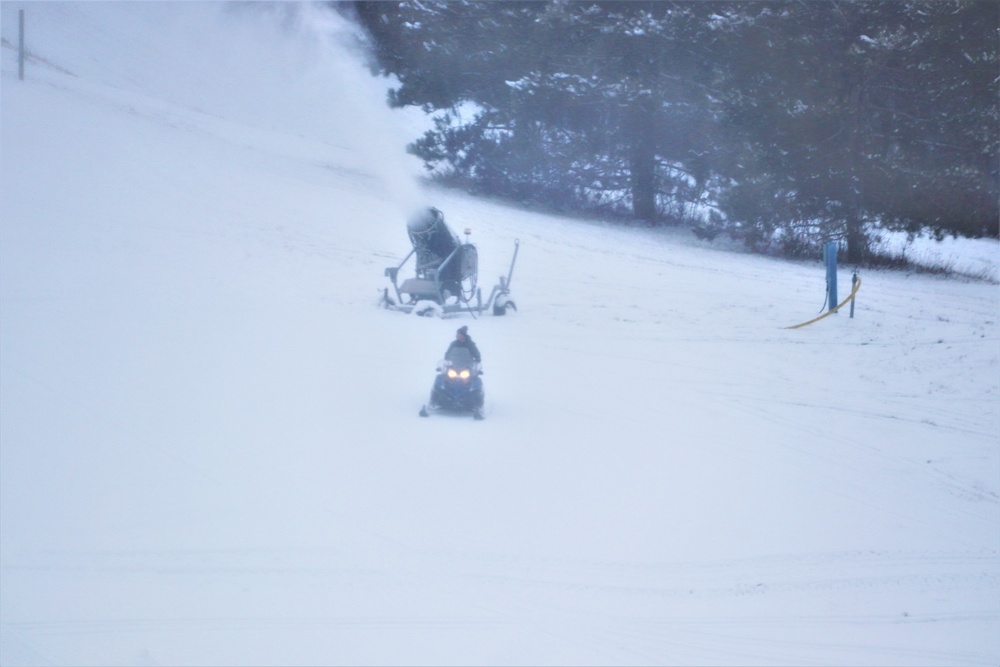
458, 387
447, 273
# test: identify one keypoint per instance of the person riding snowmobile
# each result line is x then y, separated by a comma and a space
463, 339
458, 386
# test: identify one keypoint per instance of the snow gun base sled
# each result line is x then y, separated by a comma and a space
447, 273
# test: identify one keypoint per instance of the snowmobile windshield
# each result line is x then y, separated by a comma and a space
459, 357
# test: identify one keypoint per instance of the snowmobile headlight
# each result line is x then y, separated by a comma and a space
464, 374
452, 373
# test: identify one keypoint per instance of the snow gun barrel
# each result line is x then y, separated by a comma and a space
431, 237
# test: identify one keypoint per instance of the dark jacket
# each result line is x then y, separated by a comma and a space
468, 344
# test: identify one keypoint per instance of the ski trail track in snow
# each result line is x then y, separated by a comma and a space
572, 607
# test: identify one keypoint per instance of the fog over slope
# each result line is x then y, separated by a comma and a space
210, 451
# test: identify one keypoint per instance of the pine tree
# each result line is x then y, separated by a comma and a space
856, 115
596, 104
793, 122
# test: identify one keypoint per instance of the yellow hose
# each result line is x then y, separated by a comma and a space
857, 286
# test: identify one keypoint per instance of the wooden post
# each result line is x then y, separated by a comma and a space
20, 44
854, 282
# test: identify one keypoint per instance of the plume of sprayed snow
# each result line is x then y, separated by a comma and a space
313, 78
293, 68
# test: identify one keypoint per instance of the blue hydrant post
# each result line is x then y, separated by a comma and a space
830, 254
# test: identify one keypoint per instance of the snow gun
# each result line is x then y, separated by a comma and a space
446, 273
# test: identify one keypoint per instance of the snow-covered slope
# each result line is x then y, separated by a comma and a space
210, 451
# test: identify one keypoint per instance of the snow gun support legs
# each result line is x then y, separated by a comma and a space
425, 294
500, 296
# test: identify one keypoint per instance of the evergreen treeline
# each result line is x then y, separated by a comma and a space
782, 123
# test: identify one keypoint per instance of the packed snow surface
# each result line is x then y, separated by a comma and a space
211, 453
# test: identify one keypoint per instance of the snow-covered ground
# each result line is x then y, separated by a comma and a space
210, 452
